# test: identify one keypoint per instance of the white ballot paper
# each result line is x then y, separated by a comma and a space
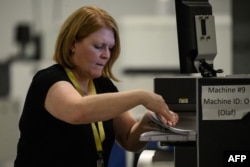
163, 132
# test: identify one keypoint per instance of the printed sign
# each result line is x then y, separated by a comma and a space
225, 102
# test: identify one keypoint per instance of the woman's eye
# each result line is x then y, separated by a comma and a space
102, 47
98, 46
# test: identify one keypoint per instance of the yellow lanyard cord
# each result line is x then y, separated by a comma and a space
98, 136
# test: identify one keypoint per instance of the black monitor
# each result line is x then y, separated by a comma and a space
196, 37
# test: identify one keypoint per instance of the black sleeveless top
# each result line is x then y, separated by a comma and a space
46, 141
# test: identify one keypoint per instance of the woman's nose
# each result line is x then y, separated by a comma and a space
106, 53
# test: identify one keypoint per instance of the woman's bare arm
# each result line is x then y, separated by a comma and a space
66, 104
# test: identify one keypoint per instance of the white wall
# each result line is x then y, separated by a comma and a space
47, 15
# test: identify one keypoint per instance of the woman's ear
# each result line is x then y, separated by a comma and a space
72, 49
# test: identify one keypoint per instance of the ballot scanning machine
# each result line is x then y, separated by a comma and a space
216, 107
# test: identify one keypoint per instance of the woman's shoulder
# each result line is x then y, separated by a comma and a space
55, 68
50, 75
53, 71
105, 84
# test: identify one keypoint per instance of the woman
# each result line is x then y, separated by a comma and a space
73, 113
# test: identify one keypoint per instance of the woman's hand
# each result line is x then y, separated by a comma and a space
156, 103
169, 122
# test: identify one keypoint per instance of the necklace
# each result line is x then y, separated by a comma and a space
99, 135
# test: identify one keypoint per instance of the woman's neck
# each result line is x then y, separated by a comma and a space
83, 82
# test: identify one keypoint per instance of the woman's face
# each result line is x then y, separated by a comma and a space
91, 54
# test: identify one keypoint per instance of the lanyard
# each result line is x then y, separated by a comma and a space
98, 136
